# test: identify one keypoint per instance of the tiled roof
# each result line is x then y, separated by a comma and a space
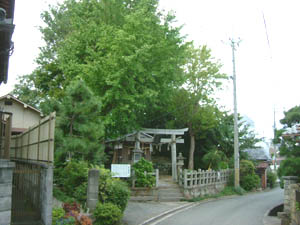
257, 154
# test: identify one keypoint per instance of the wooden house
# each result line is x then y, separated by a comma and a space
23, 115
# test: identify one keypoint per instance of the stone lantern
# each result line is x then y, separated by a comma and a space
137, 155
180, 162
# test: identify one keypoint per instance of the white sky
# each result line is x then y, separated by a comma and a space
266, 77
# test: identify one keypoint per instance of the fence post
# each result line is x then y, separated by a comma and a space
185, 178
156, 177
93, 187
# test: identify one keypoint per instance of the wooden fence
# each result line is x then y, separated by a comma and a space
37, 143
202, 178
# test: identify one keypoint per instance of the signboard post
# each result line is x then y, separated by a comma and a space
120, 170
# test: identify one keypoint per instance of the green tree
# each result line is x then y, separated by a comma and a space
26, 92
127, 52
193, 106
225, 135
79, 128
289, 145
291, 117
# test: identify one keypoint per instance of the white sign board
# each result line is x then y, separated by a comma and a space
120, 170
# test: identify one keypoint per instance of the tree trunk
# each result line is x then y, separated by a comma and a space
192, 150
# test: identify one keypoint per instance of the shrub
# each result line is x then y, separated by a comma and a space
61, 196
248, 179
74, 174
113, 190
107, 214
143, 180
250, 182
271, 179
80, 193
72, 181
118, 193
57, 213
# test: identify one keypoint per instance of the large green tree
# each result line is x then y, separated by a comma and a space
127, 52
193, 105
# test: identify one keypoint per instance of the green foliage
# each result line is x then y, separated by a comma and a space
250, 182
298, 206
215, 160
79, 129
113, 190
72, 180
128, 52
143, 180
289, 146
57, 214
107, 214
61, 196
271, 179
246, 167
291, 117
118, 193
248, 179
289, 167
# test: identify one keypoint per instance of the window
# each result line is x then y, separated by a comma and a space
8, 102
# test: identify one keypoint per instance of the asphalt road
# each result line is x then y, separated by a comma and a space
242, 210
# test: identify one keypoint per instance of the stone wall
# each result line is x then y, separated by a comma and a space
290, 216
6, 172
211, 189
295, 214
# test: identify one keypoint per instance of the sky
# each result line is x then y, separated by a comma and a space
267, 71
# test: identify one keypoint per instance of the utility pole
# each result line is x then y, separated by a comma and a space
274, 145
236, 131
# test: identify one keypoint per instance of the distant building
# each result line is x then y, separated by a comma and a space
261, 156
23, 115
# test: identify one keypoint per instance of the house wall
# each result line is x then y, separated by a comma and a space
23, 117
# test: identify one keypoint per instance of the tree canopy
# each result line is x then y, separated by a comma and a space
289, 146
127, 52
135, 70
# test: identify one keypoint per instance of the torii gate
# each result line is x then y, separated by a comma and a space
172, 141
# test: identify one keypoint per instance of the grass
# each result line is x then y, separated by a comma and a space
227, 191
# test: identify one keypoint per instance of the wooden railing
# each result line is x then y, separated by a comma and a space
198, 178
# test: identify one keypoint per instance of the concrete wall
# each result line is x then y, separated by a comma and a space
6, 173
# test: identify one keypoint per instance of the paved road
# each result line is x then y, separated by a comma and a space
243, 210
